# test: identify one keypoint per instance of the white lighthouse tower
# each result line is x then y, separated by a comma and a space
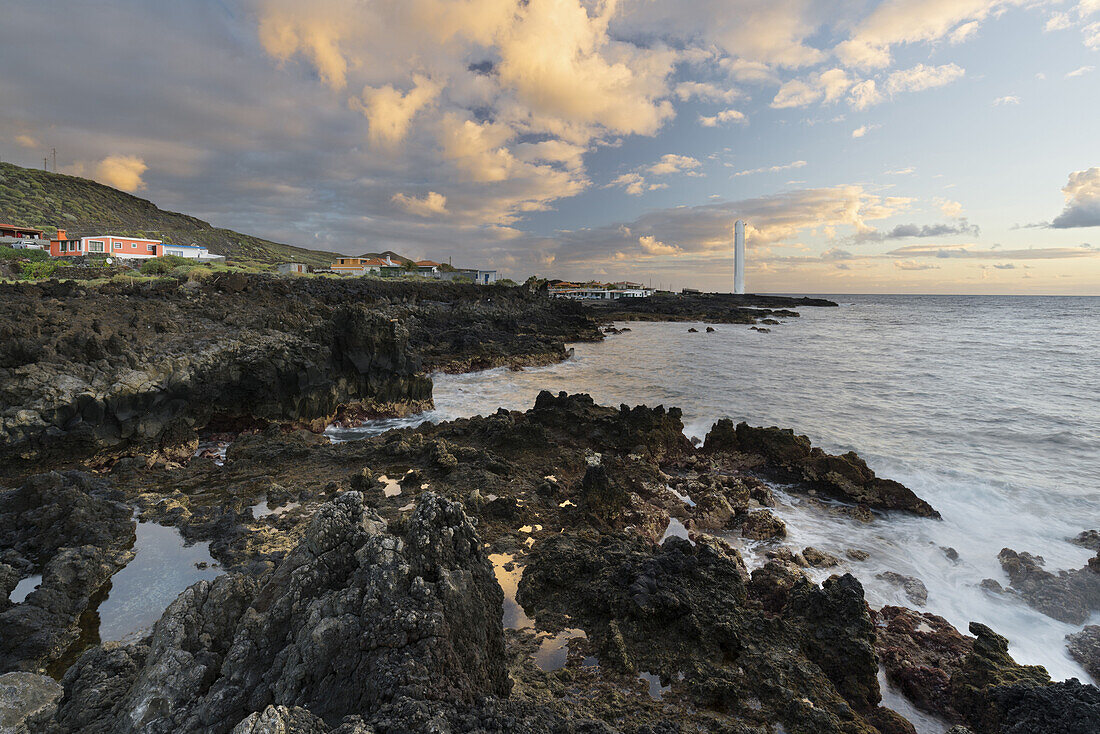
739, 257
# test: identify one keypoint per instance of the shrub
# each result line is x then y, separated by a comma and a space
156, 266
36, 270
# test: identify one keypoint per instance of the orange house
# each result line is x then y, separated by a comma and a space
357, 265
125, 248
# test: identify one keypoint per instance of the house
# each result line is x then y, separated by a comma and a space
480, 277
598, 291
288, 268
192, 252
20, 233
357, 266
125, 248
427, 268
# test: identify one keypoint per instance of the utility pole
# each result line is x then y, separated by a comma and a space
53, 151
44, 162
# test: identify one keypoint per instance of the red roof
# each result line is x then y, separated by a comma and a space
428, 263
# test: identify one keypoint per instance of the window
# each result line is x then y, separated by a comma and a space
118, 246
152, 248
176, 253
95, 245
133, 245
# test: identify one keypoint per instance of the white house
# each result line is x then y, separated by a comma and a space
192, 252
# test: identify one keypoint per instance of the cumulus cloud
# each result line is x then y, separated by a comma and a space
652, 246
825, 86
906, 231
706, 91
672, 163
122, 172
772, 169
1081, 71
914, 265
1010, 99
913, 21
636, 183
1082, 193
721, 118
432, 204
27, 141
389, 111
862, 130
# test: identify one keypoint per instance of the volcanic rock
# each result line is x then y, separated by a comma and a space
1069, 596
785, 456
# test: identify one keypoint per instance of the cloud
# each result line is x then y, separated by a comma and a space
635, 182
904, 231
707, 91
722, 117
123, 172
912, 21
672, 163
389, 112
945, 252
1080, 71
27, 141
914, 265
1082, 193
825, 86
652, 246
431, 205
922, 77
1011, 99
862, 130
901, 172
772, 169
950, 209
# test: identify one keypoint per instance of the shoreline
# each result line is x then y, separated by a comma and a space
608, 521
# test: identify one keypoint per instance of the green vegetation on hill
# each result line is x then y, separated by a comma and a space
32, 198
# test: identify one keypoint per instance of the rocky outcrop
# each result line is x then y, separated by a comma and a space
1068, 596
137, 369
1084, 646
718, 308
684, 608
23, 697
782, 455
68, 528
974, 680
354, 619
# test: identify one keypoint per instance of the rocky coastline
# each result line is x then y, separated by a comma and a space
567, 568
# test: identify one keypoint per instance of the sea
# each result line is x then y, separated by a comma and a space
988, 407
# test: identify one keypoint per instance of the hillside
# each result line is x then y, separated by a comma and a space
33, 198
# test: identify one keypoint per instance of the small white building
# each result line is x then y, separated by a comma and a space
192, 252
288, 268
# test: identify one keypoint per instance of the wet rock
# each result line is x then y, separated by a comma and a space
693, 330
1069, 596
920, 653
681, 607
25, 696
762, 330
1084, 646
983, 674
993, 586
353, 618
819, 559
1088, 539
856, 554
281, 720
1066, 707
950, 553
763, 525
710, 329
787, 457
914, 588
67, 526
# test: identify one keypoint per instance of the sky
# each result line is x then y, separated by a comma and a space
910, 146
